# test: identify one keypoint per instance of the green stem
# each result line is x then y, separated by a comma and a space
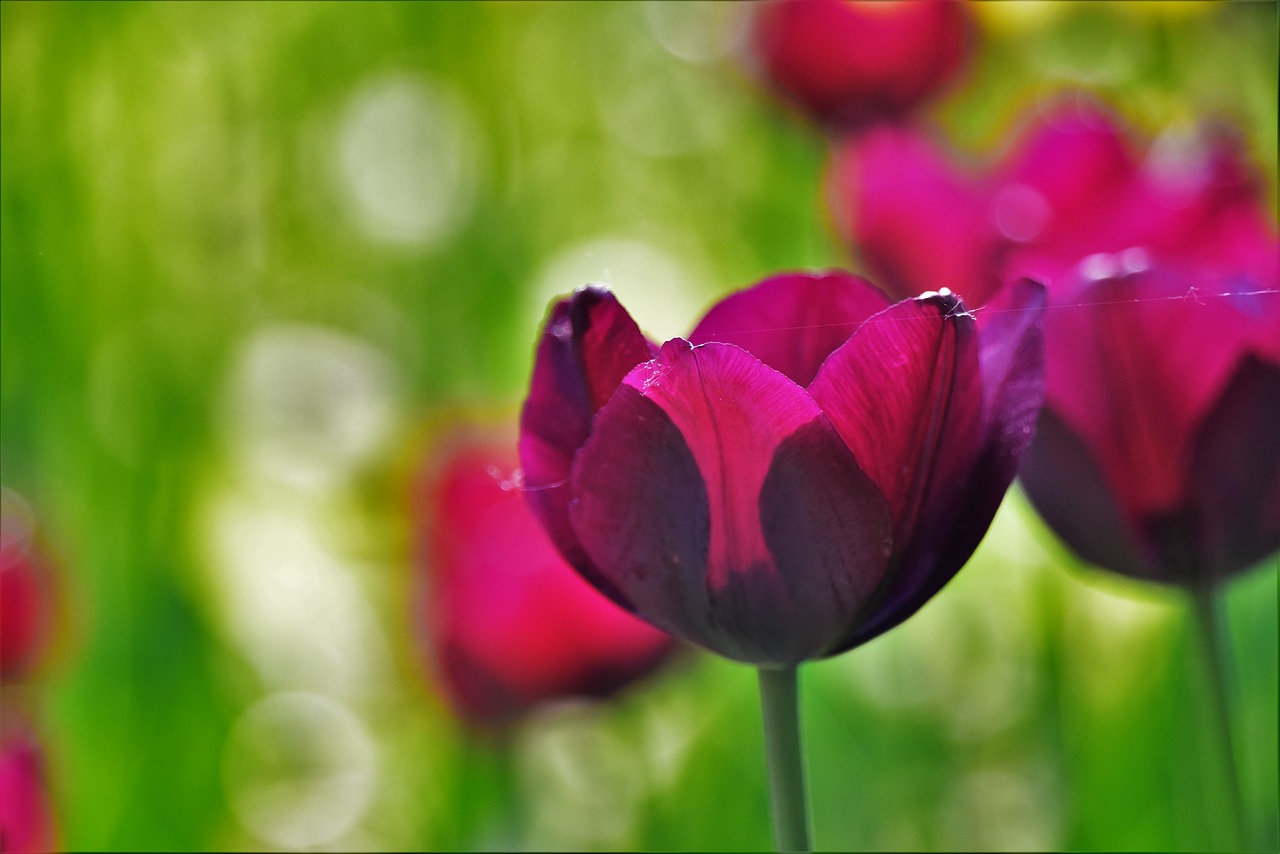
1209, 624
780, 700
488, 810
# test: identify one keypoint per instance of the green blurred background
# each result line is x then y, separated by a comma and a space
251, 250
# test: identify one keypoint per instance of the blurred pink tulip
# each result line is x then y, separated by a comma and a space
1072, 186
509, 624
26, 817
1156, 453
24, 596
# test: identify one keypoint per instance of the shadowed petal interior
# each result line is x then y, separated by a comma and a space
1069, 491
1235, 472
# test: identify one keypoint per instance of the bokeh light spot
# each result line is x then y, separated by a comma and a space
309, 404
300, 770
406, 159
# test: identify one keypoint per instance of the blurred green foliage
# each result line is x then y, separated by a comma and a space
250, 249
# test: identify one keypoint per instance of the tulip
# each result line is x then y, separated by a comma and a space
24, 600
798, 476
1147, 261
848, 64
1157, 454
26, 817
510, 625
1072, 186
802, 474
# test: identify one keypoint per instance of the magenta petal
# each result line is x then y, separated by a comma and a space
1235, 473
716, 497
1012, 364
917, 221
792, 322
1075, 161
1070, 493
1132, 371
507, 623
26, 811
1205, 209
588, 345
1012, 359
905, 394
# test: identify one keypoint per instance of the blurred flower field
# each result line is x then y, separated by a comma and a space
260, 261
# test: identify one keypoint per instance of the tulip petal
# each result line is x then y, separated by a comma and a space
715, 495
1235, 473
1012, 359
905, 394
1066, 486
588, 345
1203, 205
916, 220
1133, 369
508, 622
792, 322
1012, 364
1075, 158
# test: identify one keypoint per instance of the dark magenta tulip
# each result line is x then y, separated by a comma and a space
1157, 453
26, 817
800, 475
848, 64
1073, 185
24, 596
508, 624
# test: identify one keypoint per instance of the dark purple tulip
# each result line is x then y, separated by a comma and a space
1157, 453
802, 474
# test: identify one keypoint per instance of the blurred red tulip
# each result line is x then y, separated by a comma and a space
509, 624
24, 594
26, 817
848, 64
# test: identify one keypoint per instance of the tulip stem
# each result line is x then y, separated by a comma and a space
1210, 626
780, 699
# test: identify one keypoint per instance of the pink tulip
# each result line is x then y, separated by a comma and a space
509, 624
26, 817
